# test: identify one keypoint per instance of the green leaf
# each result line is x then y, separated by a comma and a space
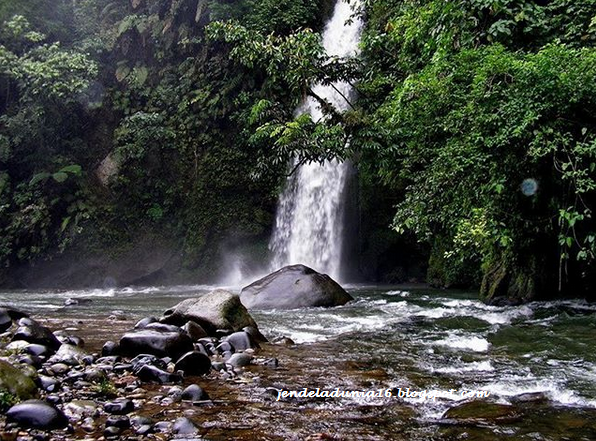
39, 177
60, 176
74, 169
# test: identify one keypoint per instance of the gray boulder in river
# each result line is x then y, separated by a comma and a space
218, 309
294, 286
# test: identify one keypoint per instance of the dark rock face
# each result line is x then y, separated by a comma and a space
216, 310
194, 363
37, 414
295, 286
156, 342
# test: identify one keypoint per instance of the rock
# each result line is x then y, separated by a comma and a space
153, 374
138, 421
218, 309
31, 331
193, 363
37, 350
255, 334
144, 429
78, 410
119, 407
194, 331
482, 412
66, 338
147, 359
145, 321
68, 354
48, 384
120, 421
16, 382
184, 426
17, 346
156, 342
112, 432
163, 327
294, 286
194, 393
110, 348
58, 369
239, 360
36, 414
241, 341
77, 302
162, 426
286, 341
224, 347
530, 398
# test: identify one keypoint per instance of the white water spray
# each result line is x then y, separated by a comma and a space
309, 221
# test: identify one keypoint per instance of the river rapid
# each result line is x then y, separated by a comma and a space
388, 338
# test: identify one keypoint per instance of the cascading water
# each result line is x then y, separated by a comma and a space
309, 221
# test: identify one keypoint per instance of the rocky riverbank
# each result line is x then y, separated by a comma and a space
96, 391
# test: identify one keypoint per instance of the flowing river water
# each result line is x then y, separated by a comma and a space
388, 337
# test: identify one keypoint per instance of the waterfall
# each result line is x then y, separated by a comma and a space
309, 221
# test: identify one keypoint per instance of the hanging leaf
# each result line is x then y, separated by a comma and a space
60, 176
74, 169
64, 224
39, 177
141, 74
122, 72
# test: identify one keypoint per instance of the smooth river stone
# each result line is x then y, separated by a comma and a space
37, 414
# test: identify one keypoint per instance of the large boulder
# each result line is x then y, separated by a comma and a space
15, 382
294, 286
218, 309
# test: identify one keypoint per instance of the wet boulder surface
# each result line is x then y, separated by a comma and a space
294, 286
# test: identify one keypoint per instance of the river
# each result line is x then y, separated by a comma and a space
390, 337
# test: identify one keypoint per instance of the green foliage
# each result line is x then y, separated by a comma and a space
466, 101
7, 400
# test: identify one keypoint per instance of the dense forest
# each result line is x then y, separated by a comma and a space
158, 132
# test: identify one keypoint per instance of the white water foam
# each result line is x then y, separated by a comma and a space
471, 343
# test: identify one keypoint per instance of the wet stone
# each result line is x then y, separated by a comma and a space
184, 426
193, 393
152, 374
49, 384
194, 330
37, 414
58, 369
163, 426
112, 432
122, 422
119, 407
193, 363
147, 359
37, 350
145, 321
239, 360
110, 348
32, 332
241, 341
